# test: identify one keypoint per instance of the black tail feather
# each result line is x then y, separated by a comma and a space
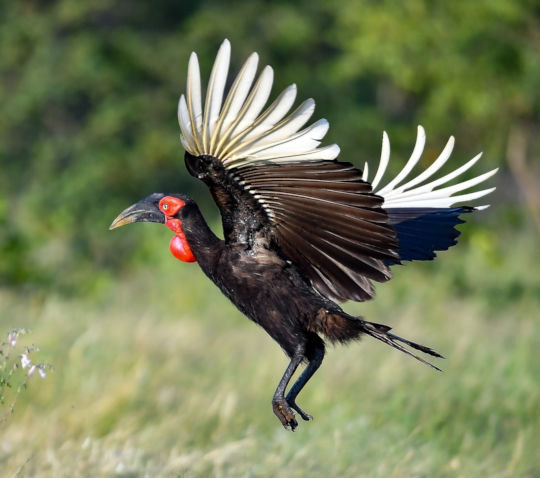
381, 332
422, 348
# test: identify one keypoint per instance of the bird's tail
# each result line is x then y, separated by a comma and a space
381, 332
342, 327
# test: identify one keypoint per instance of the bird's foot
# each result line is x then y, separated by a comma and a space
284, 412
305, 416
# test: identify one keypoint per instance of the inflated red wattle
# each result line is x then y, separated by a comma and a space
180, 249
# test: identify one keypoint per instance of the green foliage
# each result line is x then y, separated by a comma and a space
89, 90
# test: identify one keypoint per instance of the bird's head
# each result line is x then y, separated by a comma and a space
165, 209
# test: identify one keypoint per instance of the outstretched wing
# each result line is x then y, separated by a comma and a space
237, 131
326, 220
262, 167
266, 172
423, 191
421, 209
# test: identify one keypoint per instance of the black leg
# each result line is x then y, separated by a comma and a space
315, 356
282, 410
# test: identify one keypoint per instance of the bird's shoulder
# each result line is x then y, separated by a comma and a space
243, 217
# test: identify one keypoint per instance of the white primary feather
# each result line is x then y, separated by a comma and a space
255, 102
292, 123
274, 114
426, 195
239, 91
239, 131
193, 95
214, 94
246, 116
432, 169
365, 172
306, 140
235, 131
326, 153
184, 120
284, 130
415, 157
264, 123
383, 163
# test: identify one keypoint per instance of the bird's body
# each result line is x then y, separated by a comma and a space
301, 229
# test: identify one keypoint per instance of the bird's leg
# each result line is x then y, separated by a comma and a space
282, 410
315, 361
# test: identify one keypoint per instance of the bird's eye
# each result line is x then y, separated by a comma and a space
165, 206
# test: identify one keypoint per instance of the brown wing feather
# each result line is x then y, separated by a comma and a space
327, 221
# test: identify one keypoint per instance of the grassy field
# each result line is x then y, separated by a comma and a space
161, 377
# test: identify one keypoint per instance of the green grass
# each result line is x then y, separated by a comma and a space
162, 377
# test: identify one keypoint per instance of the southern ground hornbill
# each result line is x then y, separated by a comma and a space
302, 229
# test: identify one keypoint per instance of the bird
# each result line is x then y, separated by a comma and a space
303, 230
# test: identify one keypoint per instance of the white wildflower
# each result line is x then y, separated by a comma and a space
25, 361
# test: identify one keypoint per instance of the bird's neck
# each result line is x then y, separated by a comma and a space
204, 244
210, 170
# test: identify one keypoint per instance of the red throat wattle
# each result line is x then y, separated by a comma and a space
178, 246
180, 249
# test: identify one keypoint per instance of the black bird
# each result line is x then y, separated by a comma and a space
302, 229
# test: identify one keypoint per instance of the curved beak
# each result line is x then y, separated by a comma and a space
143, 211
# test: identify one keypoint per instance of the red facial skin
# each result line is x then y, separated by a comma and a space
178, 246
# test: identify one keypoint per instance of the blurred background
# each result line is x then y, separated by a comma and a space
155, 373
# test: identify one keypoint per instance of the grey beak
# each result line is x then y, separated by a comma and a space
143, 211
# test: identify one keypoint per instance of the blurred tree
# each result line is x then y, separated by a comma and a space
89, 89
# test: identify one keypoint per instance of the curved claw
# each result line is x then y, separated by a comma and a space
283, 411
305, 416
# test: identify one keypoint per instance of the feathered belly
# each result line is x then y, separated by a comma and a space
268, 291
